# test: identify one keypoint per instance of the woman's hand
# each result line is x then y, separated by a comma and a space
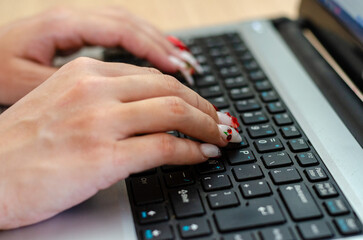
92, 124
28, 46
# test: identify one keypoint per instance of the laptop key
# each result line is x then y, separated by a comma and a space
146, 190
247, 172
336, 207
257, 213
276, 233
269, 96
238, 236
247, 105
290, 132
298, 145
157, 232
258, 131
186, 202
222, 199
282, 119
257, 188
219, 102
348, 225
279, 159
235, 82
299, 202
257, 75
240, 157
212, 91
254, 117
325, 190
268, 145
178, 179
263, 85
152, 213
241, 93
315, 230
210, 166
194, 228
306, 159
285, 175
275, 107
205, 81
315, 174
216, 182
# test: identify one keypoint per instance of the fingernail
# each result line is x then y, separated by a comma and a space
228, 119
183, 68
210, 150
217, 109
177, 43
229, 133
189, 58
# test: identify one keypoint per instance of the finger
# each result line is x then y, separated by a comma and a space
139, 153
167, 113
158, 85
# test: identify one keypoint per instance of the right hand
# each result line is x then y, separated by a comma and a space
90, 125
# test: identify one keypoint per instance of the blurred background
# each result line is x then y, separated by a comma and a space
166, 14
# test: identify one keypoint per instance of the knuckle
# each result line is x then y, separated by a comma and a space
176, 106
167, 146
152, 70
79, 63
172, 84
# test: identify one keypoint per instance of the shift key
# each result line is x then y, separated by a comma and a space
257, 213
299, 202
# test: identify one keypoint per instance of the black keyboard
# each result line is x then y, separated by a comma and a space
272, 185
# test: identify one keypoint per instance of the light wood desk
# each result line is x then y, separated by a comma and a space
165, 14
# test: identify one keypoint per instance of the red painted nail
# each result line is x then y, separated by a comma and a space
177, 43
217, 109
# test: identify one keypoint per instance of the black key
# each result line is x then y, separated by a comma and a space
216, 182
258, 131
275, 107
229, 72
282, 119
306, 159
178, 179
316, 174
144, 173
247, 56
247, 172
241, 93
240, 157
290, 132
196, 50
152, 213
285, 175
213, 91
325, 190
224, 61
157, 232
336, 207
269, 96
206, 69
219, 52
186, 202
201, 59
238, 236
174, 168
299, 202
239, 48
255, 188
194, 228
210, 166
235, 82
348, 225
239, 145
214, 42
205, 81
146, 190
250, 65
257, 75
298, 145
223, 199
260, 212
268, 145
263, 85
277, 233
279, 159
315, 230
254, 117
247, 105
233, 38
219, 102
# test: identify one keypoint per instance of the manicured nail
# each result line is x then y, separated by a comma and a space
210, 150
228, 119
229, 133
185, 70
189, 58
177, 43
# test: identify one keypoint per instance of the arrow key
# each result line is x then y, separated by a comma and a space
194, 228
152, 213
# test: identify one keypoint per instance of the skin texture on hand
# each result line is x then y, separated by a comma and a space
90, 125
28, 46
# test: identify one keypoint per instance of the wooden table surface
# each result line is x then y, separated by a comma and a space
165, 14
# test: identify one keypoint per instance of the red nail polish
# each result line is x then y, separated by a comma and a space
235, 122
217, 109
177, 43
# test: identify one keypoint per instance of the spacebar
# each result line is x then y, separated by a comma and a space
258, 213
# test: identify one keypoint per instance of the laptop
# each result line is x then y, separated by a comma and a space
297, 174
